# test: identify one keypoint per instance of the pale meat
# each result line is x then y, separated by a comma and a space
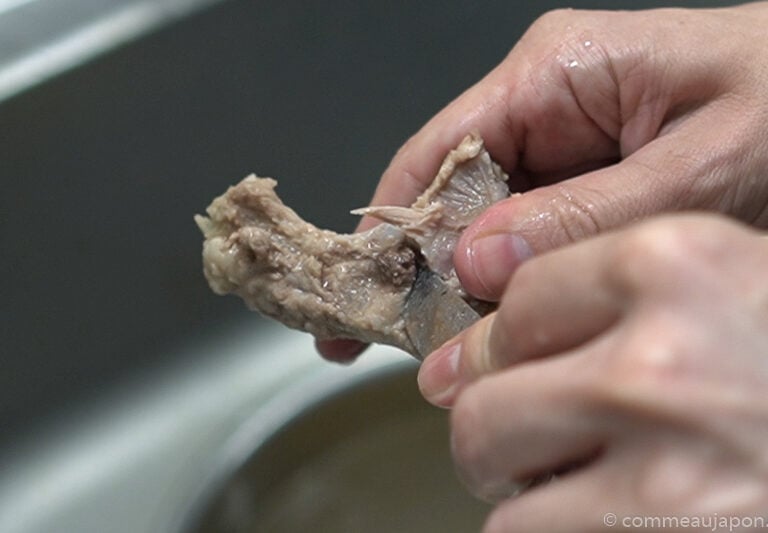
466, 184
344, 285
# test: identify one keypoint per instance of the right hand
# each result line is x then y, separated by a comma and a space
634, 365
603, 118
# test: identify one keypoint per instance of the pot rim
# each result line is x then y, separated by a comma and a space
286, 406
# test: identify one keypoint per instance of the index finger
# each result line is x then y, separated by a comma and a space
482, 108
529, 112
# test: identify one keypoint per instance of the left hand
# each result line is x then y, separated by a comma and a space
601, 118
638, 361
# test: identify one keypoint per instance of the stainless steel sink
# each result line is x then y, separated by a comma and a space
150, 455
125, 380
360, 453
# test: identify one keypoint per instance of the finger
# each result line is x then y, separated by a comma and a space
688, 168
519, 110
500, 107
524, 422
340, 350
585, 501
480, 109
555, 302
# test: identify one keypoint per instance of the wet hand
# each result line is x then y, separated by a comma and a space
602, 118
635, 362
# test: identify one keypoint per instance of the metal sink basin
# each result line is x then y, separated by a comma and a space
361, 453
124, 379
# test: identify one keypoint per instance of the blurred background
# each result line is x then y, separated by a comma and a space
119, 120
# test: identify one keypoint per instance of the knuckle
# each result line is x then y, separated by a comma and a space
551, 30
464, 426
571, 215
498, 521
656, 254
468, 445
655, 359
476, 357
558, 18
515, 331
560, 28
651, 358
636, 252
580, 213
501, 344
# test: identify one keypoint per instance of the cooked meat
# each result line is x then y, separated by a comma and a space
467, 183
344, 286
331, 285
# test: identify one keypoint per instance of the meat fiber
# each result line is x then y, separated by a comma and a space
466, 184
344, 285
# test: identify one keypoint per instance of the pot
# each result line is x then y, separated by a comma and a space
340, 455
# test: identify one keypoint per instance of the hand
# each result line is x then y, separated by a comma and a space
637, 361
603, 118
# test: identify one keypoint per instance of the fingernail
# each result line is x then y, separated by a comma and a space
493, 258
439, 375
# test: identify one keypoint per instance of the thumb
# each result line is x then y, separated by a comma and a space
548, 217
